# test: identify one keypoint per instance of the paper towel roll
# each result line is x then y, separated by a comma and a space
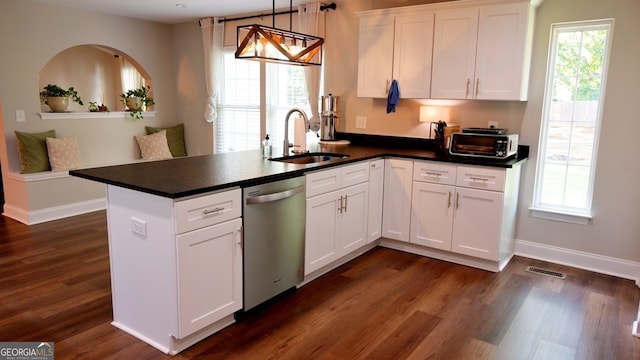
300, 134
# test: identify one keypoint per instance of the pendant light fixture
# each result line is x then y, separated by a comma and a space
263, 43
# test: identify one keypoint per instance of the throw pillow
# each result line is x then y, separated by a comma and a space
175, 138
64, 153
32, 150
154, 146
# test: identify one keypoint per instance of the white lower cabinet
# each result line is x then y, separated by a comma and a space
336, 221
209, 262
432, 215
376, 192
467, 210
181, 279
396, 208
478, 219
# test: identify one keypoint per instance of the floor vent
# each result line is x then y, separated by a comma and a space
555, 274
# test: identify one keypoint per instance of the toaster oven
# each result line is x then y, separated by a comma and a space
484, 145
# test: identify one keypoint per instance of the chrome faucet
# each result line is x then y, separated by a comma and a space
285, 147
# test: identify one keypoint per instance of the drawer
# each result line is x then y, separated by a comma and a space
354, 174
434, 172
483, 178
321, 182
207, 210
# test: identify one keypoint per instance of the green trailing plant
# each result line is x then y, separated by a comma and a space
55, 90
141, 93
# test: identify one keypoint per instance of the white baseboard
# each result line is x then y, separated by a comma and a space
579, 259
53, 213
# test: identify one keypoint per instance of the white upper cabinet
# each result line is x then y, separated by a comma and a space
395, 47
375, 61
454, 52
482, 52
448, 50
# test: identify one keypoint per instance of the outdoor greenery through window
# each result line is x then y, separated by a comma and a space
254, 101
571, 117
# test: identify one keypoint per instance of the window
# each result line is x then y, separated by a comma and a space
571, 117
254, 101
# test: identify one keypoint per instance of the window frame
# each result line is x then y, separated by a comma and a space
565, 213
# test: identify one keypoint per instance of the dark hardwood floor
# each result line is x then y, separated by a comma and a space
55, 286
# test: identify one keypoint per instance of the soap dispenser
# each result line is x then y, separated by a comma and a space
266, 147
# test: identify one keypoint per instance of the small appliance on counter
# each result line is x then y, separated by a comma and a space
488, 143
329, 114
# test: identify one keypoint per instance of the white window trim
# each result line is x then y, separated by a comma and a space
564, 214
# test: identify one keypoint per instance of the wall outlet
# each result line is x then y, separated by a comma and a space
139, 227
492, 124
20, 116
361, 122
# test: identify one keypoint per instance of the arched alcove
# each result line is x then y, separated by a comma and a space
99, 74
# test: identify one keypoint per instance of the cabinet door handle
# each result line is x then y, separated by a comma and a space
212, 211
477, 86
240, 240
477, 179
340, 205
457, 200
386, 87
346, 197
449, 200
466, 91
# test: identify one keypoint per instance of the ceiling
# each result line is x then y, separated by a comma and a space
170, 11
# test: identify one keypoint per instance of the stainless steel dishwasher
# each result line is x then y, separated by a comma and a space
274, 217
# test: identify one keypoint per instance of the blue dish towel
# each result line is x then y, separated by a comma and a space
392, 98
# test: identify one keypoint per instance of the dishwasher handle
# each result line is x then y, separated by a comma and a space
261, 199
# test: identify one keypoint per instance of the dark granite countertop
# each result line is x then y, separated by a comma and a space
194, 175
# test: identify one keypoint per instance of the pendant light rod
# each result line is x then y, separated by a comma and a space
327, 7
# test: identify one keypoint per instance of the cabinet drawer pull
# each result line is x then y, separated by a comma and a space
212, 211
477, 179
431, 174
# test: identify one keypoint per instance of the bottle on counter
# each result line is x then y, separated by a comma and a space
266, 147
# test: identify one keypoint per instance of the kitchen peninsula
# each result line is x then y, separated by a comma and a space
175, 226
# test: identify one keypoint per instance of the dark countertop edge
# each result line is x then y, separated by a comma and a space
388, 146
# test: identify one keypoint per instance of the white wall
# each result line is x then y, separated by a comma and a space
35, 33
615, 229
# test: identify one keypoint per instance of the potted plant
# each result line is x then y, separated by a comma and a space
137, 99
57, 98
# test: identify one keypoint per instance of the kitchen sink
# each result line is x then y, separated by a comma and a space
310, 158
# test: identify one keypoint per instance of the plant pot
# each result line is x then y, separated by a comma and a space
134, 103
57, 103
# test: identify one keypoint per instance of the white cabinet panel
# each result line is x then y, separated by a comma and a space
434, 172
502, 58
481, 177
396, 212
207, 210
352, 218
395, 47
320, 233
375, 60
454, 53
323, 181
432, 215
477, 224
209, 263
376, 191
